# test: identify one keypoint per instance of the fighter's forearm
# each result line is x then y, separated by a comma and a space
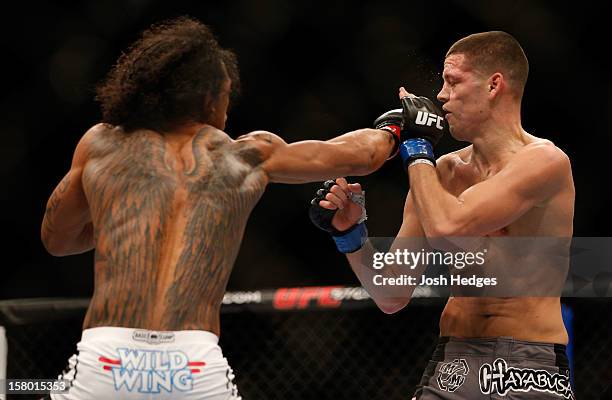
439, 211
355, 153
389, 298
372, 147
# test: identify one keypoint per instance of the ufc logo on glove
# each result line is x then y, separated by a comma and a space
425, 118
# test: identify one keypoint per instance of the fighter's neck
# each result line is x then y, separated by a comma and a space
496, 143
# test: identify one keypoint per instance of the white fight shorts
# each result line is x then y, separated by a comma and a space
125, 363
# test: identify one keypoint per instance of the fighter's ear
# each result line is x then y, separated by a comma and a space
495, 83
209, 104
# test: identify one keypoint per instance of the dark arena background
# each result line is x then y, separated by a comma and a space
296, 325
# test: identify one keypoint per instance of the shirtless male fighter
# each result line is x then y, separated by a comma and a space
507, 183
163, 196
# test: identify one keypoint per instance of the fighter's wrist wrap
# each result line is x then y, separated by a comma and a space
352, 239
421, 161
415, 148
347, 241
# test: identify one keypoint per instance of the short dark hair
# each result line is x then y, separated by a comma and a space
495, 51
165, 77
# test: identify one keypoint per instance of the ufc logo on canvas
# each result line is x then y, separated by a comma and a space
425, 118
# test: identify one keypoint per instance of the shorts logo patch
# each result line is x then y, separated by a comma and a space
452, 374
153, 337
501, 379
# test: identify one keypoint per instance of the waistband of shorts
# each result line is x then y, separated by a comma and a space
507, 347
147, 336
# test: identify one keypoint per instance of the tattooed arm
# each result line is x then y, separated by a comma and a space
360, 152
67, 227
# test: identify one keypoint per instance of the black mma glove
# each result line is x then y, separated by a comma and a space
423, 126
347, 241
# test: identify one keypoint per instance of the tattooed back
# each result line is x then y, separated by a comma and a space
169, 214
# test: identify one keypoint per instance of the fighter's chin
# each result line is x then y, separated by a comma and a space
456, 133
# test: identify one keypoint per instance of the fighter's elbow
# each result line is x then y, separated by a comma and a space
53, 246
391, 307
440, 230
448, 236
449, 226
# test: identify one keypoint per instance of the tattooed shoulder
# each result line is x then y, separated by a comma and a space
257, 146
